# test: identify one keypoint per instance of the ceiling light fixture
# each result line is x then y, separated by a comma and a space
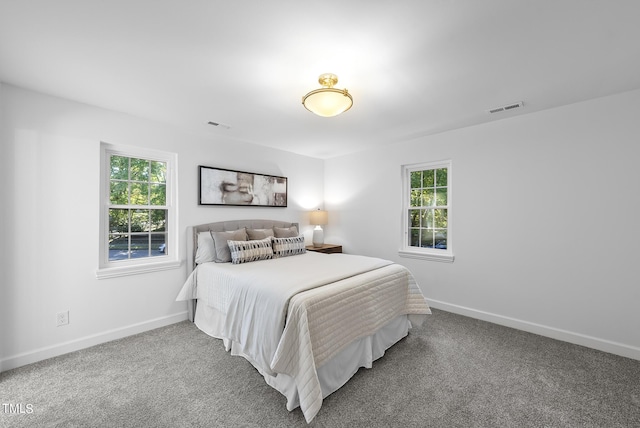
328, 101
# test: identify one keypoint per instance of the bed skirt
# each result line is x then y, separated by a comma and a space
334, 373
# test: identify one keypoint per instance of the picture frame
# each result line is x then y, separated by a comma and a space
218, 186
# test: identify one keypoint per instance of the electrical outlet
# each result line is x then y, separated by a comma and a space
62, 318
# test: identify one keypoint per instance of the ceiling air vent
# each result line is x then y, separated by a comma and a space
506, 107
219, 125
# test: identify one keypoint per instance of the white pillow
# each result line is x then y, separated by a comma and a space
206, 250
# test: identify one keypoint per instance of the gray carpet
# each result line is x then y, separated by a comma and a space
453, 372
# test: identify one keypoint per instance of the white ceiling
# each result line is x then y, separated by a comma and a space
414, 67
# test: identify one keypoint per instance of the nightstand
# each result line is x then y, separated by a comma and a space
326, 248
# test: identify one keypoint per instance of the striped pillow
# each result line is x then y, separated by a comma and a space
283, 247
250, 251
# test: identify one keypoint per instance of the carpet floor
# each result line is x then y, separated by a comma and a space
452, 372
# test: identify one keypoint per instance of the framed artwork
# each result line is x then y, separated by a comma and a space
219, 186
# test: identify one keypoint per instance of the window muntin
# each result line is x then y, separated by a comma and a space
138, 214
426, 226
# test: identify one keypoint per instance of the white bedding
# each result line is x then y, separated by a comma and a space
255, 299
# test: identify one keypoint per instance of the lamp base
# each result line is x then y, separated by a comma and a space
318, 237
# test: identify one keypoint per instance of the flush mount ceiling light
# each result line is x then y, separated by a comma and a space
328, 101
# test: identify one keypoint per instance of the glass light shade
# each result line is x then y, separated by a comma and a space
318, 217
328, 102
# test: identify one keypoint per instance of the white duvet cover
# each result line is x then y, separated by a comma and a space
291, 315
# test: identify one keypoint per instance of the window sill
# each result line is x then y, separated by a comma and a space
113, 272
445, 258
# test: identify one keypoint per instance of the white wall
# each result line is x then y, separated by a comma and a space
545, 219
545, 209
49, 220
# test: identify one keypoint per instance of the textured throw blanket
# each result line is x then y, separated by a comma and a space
321, 322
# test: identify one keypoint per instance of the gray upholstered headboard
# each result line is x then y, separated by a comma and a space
224, 226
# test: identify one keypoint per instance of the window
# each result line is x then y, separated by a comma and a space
426, 225
138, 214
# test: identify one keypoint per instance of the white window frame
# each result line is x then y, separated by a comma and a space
115, 268
433, 254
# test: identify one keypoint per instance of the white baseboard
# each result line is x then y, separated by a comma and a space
86, 342
542, 330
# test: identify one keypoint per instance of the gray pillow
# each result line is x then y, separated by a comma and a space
288, 232
222, 253
259, 233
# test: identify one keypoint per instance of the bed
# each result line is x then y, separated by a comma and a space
306, 321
